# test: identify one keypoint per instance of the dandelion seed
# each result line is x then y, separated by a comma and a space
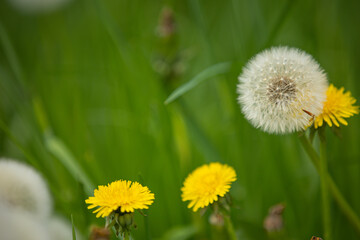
206, 184
277, 88
338, 105
22, 187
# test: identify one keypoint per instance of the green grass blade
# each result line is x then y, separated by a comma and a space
279, 23
10, 54
180, 233
209, 72
202, 141
73, 228
60, 151
30, 159
113, 30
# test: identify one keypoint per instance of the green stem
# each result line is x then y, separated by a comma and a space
344, 205
334, 190
230, 228
31, 160
127, 235
310, 151
324, 186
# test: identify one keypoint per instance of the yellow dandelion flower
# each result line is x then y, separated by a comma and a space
338, 105
123, 196
206, 184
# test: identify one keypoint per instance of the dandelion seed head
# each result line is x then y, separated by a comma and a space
18, 224
59, 229
23, 188
277, 85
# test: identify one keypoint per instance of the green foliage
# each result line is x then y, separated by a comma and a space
87, 73
202, 76
57, 148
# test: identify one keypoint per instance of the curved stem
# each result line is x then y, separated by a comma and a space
324, 186
230, 228
310, 151
125, 236
344, 205
334, 190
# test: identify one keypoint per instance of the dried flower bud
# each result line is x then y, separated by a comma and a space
167, 26
98, 233
316, 238
216, 219
274, 221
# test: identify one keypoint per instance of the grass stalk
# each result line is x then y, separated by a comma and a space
324, 186
11, 54
73, 228
279, 23
126, 236
30, 159
230, 228
334, 190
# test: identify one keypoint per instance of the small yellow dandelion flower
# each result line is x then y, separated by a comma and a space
123, 196
206, 184
338, 105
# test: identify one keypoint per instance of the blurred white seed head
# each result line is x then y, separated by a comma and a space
59, 229
16, 224
23, 188
280, 89
36, 6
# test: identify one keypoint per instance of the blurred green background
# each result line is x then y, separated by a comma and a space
82, 91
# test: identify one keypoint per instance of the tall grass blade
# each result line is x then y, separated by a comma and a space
113, 30
202, 141
209, 72
60, 151
280, 22
73, 228
180, 233
30, 159
10, 54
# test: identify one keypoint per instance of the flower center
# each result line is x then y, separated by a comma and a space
209, 179
281, 90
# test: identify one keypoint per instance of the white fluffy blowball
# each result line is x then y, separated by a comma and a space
281, 90
16, 224
23, 188
59, 229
